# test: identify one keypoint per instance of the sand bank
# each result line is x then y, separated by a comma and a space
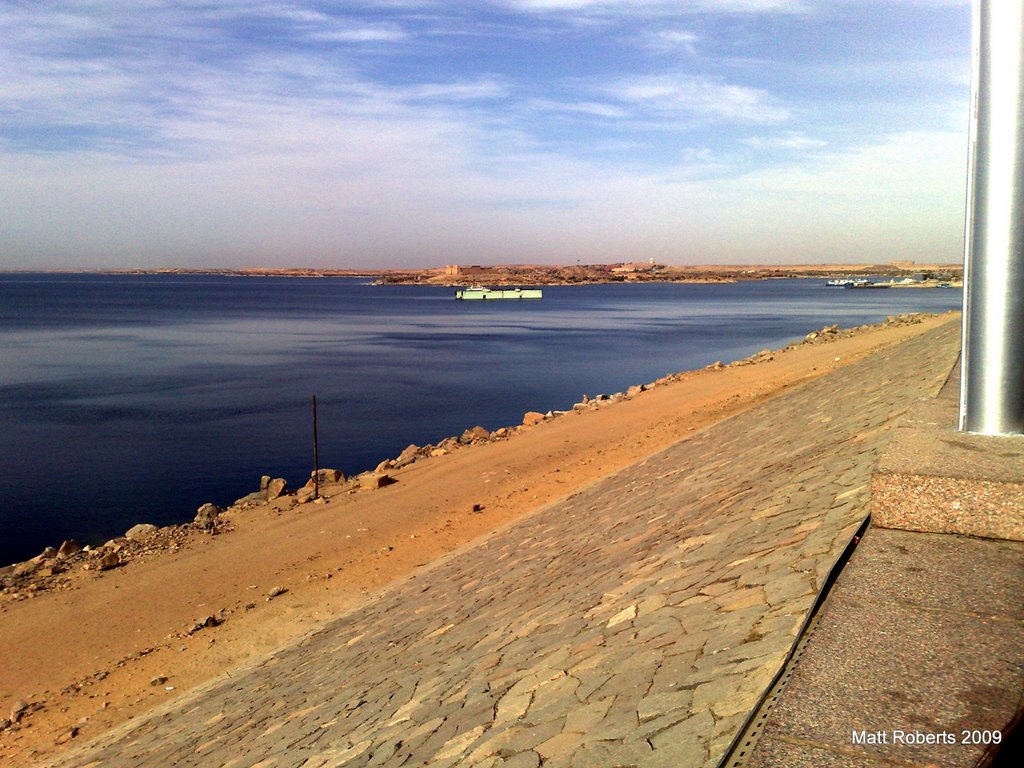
99, 647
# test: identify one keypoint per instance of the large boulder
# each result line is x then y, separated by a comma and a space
375, 480
140, 531
68, 548
411, 452
108, 560
532, 417
206, 515
276, 488
476, 433
326, 477
26, 568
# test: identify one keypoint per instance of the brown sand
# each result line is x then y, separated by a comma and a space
86, 657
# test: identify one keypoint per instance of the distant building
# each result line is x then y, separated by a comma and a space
635, 266
455, 270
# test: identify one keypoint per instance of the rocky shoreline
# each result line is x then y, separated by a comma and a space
51, 569
578, 274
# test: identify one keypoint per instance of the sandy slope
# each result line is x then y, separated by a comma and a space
86, 657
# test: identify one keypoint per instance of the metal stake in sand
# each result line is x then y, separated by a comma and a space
316, 456
992, 381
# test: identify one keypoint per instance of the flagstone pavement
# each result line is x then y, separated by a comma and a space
636, 623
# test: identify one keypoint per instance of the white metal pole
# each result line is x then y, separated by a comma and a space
992, 384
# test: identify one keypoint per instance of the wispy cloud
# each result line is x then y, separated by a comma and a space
791, 140
587, 108
699, 97
672, 40
657, 7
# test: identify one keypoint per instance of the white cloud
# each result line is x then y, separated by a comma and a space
673, 40
789, 140
457, 91
374, 34
657, 7
674, 95
591, 108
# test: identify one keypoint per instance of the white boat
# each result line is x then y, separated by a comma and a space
479, 293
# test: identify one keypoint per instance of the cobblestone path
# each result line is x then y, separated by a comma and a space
636, 623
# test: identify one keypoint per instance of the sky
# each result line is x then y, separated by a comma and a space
414, 133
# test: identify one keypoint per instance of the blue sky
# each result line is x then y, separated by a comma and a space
419, 133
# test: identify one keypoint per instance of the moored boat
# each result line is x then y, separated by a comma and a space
479, 293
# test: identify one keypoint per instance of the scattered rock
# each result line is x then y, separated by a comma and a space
18, 709
158, 680
328, 477
109, 560
476, 433
68, 548
499, 433
47, 553
256, 497
68, 735
304, 495
409, 454
26, 568
438, 452
203, 623
636, 389
325, 477
276, 488
375, 480
384, 465
478, 507
206, 515
140, 531
275, 592
532, 417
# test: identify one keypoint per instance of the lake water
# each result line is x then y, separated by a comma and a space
127, 399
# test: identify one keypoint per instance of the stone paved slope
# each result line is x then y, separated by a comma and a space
635, 623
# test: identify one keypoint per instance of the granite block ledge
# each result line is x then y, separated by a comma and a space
935, 479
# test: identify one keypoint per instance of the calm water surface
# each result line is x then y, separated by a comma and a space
128, 399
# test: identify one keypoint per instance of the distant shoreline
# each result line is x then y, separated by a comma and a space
552, 275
